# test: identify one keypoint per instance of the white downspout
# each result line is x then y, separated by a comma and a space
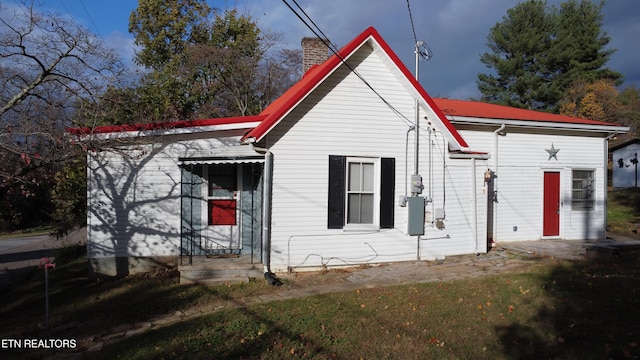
494, 196
474, 205
495, 146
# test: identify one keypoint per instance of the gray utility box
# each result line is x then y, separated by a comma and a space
415, 204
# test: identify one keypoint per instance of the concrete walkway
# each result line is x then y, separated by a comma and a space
508, 257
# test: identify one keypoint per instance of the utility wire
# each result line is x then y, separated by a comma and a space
334, 50
413, 28
91, 18
85, 10
331, 46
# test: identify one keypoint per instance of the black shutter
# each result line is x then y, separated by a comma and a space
335, 214
387, 191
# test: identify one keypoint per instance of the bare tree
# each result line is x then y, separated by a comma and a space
50, 68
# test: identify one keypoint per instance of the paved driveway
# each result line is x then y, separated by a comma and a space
20, 255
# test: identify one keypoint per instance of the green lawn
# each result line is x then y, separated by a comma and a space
623, 215
561, 310
565, 310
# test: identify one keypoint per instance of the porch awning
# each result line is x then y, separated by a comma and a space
242, 154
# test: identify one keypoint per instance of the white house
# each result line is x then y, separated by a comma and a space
326, 176
624, 158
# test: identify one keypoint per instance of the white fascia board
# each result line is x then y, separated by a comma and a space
538, 124
343, 61
166, 132
463, 155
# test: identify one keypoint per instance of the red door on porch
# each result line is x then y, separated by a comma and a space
551, 207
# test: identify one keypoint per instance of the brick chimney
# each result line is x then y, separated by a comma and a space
314, 52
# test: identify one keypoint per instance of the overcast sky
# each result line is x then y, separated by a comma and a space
455, 30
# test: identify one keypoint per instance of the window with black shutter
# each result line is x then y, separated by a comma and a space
361, 192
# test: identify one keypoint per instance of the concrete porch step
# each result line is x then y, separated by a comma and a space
218, 276
219, 269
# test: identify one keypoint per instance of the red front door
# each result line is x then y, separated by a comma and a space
551, 216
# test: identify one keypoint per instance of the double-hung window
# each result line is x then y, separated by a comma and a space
361, 192
583, 190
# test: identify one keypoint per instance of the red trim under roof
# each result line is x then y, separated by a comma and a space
493, 111
276, 111
164, 125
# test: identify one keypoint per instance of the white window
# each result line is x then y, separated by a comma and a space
362, 193
583, 190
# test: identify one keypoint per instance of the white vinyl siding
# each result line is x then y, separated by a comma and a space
328, 123
523, 159
133, 196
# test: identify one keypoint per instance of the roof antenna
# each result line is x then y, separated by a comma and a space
423, 51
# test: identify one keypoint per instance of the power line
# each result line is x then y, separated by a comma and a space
334, 50
91, 18
86, 12
413, 28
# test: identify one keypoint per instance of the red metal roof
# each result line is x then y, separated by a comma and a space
493, 111
164, 125
312, 78
273, 113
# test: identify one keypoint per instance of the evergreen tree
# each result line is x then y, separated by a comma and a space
538, 51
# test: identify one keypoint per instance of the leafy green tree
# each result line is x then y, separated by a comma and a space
68, 197
538, 51
200, 67
225, 66
163, 29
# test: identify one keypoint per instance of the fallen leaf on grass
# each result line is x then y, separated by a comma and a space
511, 308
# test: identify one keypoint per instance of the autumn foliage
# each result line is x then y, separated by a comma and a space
601, 100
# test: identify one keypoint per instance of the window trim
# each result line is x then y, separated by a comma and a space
207, 197
577, 205
375, 224
336, 193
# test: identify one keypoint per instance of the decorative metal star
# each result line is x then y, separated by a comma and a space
552, 152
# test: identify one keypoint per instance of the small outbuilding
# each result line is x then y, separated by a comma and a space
624, 158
